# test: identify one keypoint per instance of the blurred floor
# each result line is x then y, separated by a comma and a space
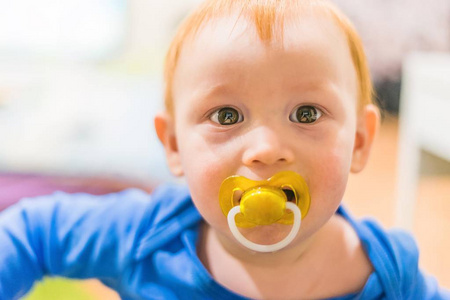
99, 291
373, 193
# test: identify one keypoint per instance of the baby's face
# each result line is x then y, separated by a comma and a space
245, 108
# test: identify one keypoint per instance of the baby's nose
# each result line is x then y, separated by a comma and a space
267, 146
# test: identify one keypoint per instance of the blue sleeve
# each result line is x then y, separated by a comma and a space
430, 289
77, 236
415, 283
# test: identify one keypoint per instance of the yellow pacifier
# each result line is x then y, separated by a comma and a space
283, 198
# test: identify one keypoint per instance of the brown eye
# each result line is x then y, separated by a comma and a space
305, 114
226, 116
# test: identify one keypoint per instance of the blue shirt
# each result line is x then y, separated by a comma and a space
144, 247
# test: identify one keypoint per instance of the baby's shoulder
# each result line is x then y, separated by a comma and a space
395, 247
393, 253
169, 203
388, 245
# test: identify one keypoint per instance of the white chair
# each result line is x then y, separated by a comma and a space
424, 124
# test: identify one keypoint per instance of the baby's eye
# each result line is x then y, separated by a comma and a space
305, 114
226, 116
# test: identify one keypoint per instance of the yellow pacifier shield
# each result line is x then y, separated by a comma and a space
264, 202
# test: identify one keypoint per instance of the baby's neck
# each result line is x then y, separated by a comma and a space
219, 243
306, 269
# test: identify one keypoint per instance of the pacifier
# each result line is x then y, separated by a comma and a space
284, 198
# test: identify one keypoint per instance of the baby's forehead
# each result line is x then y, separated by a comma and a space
232, 34
230, 49
282, 33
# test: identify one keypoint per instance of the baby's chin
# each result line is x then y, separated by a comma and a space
266, 234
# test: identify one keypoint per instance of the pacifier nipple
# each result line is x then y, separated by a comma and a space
265, 203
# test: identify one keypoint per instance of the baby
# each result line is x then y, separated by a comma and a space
268, 107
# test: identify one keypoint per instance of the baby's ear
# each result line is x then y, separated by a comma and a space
366, 128
165, 129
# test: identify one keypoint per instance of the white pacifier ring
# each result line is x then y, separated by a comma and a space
265, 248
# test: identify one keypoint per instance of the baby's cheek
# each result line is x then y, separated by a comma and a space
205, 167
329, 177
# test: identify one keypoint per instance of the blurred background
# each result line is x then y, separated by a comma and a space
80, 82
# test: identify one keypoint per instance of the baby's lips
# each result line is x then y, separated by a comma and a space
264, 202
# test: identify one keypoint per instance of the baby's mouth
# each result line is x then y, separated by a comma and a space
263, 206
271, 194
290, 195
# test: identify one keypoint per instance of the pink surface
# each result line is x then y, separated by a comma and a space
13, 187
